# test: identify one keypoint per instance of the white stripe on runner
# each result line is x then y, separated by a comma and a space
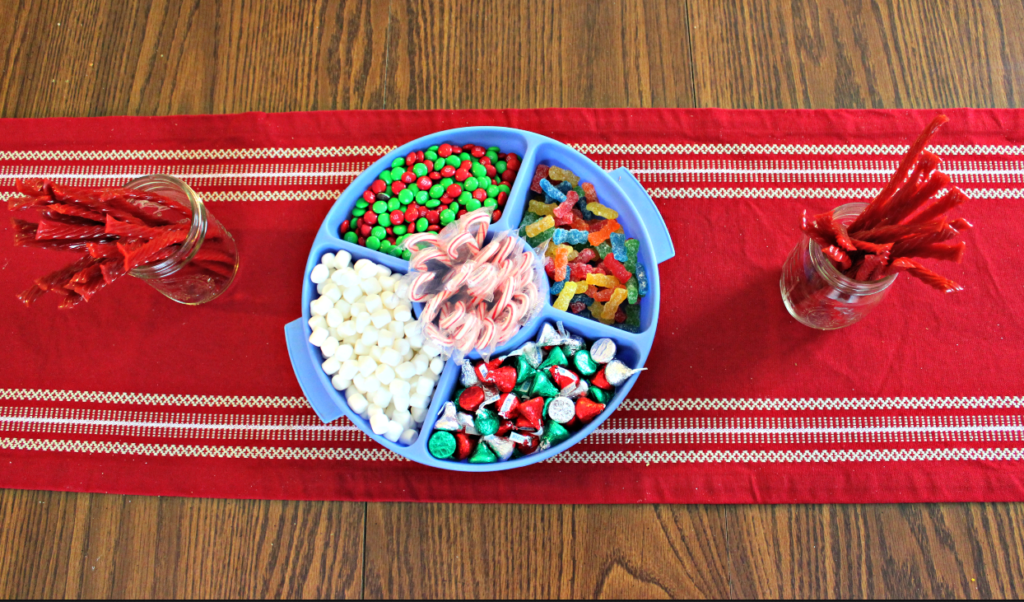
175, 425
631, 404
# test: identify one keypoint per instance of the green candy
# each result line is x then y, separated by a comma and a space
486, 422
470, 184
399, 162
455, 207
482, 454
492, 191
436, 191
465, 156
430, 155
379, 232
453, 160
523, 388
406, 254
632, 315
599, 395
419, 170
556, 357
406, 196
585, 364
358, 212
372, 243
422, 197
478, 170
493, 149
446, 182
362, 204
554, 433
632, 248
380, 207
503, 187
465, 197
501, 166
385, 246
351, 237
542, 386
447, 217
524, 371
441, 445
421, 224
473, 204
400, 229
397, 173
492, 154
435, 203
603, 249
384, 219
394, 204
632, 291
386, 176
494, 203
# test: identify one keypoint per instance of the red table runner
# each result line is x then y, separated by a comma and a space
922, 401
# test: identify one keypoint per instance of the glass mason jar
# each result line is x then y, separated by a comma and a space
819, 295
205, 264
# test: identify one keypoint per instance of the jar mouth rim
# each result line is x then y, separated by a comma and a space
196, 233
828, 270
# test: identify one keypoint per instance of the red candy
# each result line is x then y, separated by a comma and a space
424, 183
508, 406
504, 378
530, 445
504, 428
600, 381
563, 377
454, 190
463, 446
471, 399
379, 186
587, 410
531, 411
616, 268
444, 150
397, 217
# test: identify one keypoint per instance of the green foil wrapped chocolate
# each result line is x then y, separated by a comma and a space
554, 433
486, 422
482, 455
441, 445
542, 386
585, 365
556, 357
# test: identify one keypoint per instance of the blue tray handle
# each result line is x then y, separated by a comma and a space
307, 372
661, 240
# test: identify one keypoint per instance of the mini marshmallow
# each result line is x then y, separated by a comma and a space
436, 365
408, 437
379, 424
371, 383
367, 366
418, 414
328, 260
405, 370
359, 307
317, 322
402, 288
421, 362
333, 317
356, 401
369, 337
362, 321
388, 283
321, 305
343, 353
424, 385
431, 350
371, 287
342, 259
403, 312
320, 288
375, 353
319, 336
373, 410
394, 431
320, 273
329, 346
344, 308
373, 303
365, 269
412, 329
385, 338
397, 329
331, 366
402, 417
389, 299
402, 346
332, 292
349, 369
351, 294
347, 329
340, 383
381, 397
381, 318
383, 271
385, 374
419, 401
391, 357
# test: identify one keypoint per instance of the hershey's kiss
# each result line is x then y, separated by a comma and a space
532, 353
603, 351
466, 422
468, 378
561, 410
448, 419
616, 372
501, 446
549, 336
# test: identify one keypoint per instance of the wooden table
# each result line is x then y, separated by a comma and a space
138, 57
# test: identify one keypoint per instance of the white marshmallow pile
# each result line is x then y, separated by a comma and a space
372, 346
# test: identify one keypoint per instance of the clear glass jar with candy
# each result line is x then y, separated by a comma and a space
819, 295
204, 264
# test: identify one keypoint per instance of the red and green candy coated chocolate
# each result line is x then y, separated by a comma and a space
427, 190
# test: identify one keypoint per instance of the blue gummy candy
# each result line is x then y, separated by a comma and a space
641, 279
582, 206
578, 237
584, 299
559, 236
556, 287
618, 242
554, 195
564, 186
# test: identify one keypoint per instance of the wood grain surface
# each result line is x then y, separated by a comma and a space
140, 57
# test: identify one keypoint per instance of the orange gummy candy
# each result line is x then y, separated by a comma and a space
596, 238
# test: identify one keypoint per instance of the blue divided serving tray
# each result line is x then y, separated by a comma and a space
617, 189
